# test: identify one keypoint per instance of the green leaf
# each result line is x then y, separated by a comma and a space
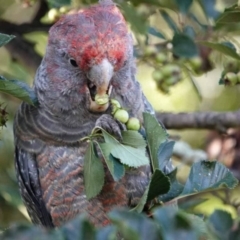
134, 226
19, 90
133, 157
155, 135
133, 139
116, 169
79, 228
229, 16
184, 46
93, 172
209, 7
155, 32
208, 175
106, 233
184, 5
58, 3
222, 222
169, 21
138, 23
222, 48
174, 224
176, 187
158, 185
4, 39
164, 154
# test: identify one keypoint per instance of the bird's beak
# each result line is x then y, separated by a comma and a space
99, 77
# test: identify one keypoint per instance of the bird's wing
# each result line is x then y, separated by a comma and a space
27, 174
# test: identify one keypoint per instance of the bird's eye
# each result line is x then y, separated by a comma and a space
73, 62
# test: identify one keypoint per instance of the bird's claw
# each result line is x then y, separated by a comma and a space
111, 125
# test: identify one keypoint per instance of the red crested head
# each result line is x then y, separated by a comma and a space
93, 34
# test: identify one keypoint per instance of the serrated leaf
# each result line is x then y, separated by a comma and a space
184, 46
155, 135
116, 168
5, 38
208, 175
222, 48
158, 185
133, 139
153, 31
164, 154
133, 157
134, 226
222, 222
93, 172
184, 5
19, 90
176, 187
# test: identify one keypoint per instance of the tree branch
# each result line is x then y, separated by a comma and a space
200, 120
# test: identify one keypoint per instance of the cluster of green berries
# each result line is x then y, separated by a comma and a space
167, 76
122, 116
118, 112
55, 13
3, 116
231, 73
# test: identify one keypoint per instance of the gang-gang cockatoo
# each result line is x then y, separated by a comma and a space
89, 52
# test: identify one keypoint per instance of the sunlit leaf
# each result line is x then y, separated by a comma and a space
93, 172
133, 157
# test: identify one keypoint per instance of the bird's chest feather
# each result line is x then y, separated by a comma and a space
61, 179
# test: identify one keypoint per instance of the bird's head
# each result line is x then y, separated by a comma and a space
88, 53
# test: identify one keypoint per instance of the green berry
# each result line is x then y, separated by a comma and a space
231, 78
157, 75
101, 99
161, 58
115, 103
121, 115
172, 80
133, 124
63, 9
170, 69
53, 14
150, 50
195, 62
